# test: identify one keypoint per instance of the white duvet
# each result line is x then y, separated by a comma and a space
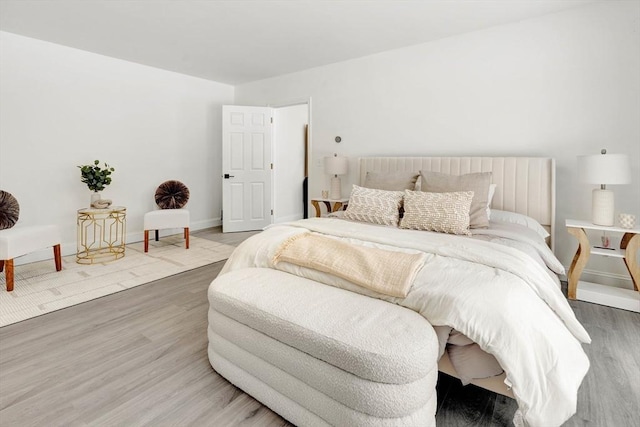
495, 294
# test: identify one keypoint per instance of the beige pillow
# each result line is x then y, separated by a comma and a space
375, 206
392, 181
436, 182
441, 212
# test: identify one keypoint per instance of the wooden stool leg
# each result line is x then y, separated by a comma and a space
186, 236
57, 257
9, 274
146, 240
1, 265
157, 235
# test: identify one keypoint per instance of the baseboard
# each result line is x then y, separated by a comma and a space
70, 248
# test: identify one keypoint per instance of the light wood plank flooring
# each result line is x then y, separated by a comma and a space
139, 357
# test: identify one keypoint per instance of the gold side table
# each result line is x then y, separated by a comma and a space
101, 234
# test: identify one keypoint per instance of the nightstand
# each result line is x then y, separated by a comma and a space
607, 295
332, 205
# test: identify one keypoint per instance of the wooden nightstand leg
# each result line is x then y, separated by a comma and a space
579, 260
315, 205
631, 243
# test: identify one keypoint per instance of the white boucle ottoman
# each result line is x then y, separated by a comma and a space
320, 355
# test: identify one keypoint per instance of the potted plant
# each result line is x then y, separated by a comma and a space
96, 178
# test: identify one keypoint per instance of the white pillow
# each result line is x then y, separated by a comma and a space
516, 218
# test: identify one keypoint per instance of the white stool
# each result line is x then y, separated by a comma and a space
21, 240
166, 218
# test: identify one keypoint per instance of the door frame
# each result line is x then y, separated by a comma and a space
274, 142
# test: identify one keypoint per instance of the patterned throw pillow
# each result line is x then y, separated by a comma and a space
441, 212
9, 210
436, 182
375, 206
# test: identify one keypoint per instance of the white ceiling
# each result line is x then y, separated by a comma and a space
239, 41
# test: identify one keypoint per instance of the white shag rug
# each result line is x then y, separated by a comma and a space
39, 289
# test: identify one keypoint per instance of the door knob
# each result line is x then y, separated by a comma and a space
227, 176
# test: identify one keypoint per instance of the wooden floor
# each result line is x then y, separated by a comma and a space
139, 357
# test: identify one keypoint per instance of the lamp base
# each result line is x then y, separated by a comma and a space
335, 193
602, 206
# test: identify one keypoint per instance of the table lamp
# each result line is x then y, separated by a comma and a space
336, 166
604, 169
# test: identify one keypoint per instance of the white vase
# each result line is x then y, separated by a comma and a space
95, 196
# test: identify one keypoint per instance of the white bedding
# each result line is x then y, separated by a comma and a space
492, 293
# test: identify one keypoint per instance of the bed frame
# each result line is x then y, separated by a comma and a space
525, 185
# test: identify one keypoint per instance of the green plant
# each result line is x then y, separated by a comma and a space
96, 177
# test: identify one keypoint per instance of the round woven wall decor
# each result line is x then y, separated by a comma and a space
172, 195
9, 210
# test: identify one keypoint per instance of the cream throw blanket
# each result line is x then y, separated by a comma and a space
387, 272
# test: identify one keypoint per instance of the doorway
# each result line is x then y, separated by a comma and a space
264, 165
289, 172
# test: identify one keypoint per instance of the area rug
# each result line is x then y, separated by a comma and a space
39, 289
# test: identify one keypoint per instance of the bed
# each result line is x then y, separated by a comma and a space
491, 294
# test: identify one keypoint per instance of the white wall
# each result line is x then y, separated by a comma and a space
560, 85
288, 173
62, 107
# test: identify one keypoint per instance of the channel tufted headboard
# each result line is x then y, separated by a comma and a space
525, 185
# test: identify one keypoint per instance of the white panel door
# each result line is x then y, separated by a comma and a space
246, 168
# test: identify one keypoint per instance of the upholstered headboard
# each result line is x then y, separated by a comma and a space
525, 185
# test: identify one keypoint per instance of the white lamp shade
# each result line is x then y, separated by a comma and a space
336, 165
604, 169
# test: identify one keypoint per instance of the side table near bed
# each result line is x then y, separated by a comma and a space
332, 205
600, 294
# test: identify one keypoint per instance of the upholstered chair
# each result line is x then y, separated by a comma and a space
171, 197
22, 239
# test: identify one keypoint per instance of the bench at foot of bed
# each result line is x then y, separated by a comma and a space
319, 355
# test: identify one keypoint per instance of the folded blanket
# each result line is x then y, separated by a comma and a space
387, 272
